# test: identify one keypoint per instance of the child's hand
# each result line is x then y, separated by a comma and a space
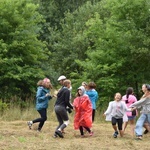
47, 94
133, 108
104, 115
55, 96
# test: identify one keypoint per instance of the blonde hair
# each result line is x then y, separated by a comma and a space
66, 82
40, 83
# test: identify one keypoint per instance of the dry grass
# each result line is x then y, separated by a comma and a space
15, 135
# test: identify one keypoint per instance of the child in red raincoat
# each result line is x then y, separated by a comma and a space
83, 112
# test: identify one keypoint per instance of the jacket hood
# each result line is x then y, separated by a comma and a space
82, 89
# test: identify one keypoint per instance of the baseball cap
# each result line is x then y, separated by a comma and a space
62, 77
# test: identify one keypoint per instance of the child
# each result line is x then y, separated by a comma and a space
116, 110
93, 95
83, 112
129, 99
144, 105
63, 100
42, 98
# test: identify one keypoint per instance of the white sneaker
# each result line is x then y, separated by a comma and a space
29, 123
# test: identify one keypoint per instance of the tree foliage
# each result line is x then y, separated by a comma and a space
121, 47
21, 53
104, 41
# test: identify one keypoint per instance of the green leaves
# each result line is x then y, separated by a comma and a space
119, 48
21, 51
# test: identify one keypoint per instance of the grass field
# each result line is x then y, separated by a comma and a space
15, 135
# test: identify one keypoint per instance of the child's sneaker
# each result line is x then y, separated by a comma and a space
59, 133
38, 130
91, 133
55, 135
115, 134
29, 123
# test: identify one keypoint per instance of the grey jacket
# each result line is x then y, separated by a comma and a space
116, 109
144, 104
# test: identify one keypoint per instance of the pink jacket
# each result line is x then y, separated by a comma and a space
131, 100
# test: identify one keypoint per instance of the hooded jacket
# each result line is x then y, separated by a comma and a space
83, 110
41, 98
93, 95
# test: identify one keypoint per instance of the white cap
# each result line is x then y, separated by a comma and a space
61, 78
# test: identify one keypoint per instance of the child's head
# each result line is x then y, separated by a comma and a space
84, 84
81, 91
145, 88
117, 96
47, 83
40, 83
129, 91
91, 85
67, 83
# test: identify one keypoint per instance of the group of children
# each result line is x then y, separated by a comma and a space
124, 109
84, 105
121, 111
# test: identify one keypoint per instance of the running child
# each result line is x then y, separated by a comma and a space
117, 110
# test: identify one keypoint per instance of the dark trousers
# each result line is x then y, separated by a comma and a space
81, 130
93, 115
61, 114
118, 121
43, 114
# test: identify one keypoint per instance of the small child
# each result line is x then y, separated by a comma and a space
83, 112
116, 110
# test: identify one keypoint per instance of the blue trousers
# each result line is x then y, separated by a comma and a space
140, 122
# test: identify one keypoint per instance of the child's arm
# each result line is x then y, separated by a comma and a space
139, 103
125, 107
109, 109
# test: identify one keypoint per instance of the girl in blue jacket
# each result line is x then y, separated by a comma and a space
42, 99
93, 95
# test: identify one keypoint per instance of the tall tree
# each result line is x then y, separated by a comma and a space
120, 55
57, 31
21, 53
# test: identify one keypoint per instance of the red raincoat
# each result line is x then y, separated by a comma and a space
83, 112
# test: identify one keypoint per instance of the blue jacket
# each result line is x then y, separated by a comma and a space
93, 95
41, 99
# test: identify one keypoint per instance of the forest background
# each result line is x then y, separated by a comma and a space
104, 41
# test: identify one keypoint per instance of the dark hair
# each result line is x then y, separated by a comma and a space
77, 94
147, 86
129, 91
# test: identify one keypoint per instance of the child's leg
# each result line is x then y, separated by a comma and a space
114, 121
125, 125
120, 123
81, 130
89, 130
132, 125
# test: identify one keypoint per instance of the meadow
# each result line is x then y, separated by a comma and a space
15, 134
